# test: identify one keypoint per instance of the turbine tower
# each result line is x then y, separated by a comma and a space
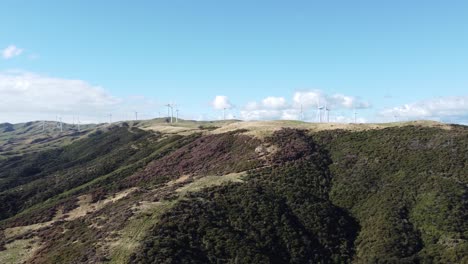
61, 124
355, 114
224, 113
110, 119
327, 111
319, 111
177, 115
172, 114
170, 111
302, 113
78, 123
136, 116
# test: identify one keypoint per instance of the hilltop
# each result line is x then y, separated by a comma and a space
234, 192
36, 136
18, 139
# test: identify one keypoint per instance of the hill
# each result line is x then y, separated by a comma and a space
236, 192
17, 139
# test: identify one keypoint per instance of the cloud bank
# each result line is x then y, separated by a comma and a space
336, 101
28, 92
448, 109
271, 108
29, 96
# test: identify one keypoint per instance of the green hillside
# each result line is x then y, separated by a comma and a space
32, 137
229, 192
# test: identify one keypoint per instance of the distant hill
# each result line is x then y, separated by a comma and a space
18, 139
234, 192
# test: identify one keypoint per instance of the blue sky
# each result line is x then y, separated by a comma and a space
392, 60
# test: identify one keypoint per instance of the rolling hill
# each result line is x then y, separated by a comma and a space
234, 192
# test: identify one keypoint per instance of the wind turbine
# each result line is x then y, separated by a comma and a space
176, 106
355, 114
302, 113
319, 111
136, 116
170, 111
327, 110
61, 124
172, 114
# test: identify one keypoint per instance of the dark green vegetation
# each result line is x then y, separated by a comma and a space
32, 137
44, 187
281, 215
393, 195
407, 188
97, 164
389, 196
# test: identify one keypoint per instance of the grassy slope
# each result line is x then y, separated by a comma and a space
138, 226
156, 190
280, 214
19, 139
34, 178
405, 186
98, 166
133, 220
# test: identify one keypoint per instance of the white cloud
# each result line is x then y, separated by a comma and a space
269, 114
308, 98
28, 96
250, 106
290, 114
270, 103
11, 51
335, 101
451, 109
268, 109
278, 108
29, 92
347, 119
274, 102
221, 102
349, 102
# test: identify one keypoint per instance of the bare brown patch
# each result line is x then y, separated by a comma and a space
181, 179
85, 205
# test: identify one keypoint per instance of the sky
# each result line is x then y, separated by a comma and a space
378, 61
